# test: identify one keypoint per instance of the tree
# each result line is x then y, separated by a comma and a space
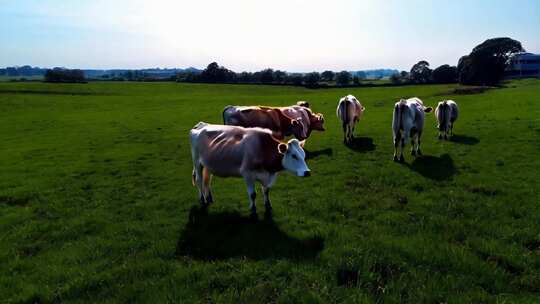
395, 79
266, 76
343, 78
279, 76
486, 63
312, 79
64, 75
444, 74
216, 73
327, 75
420, 72
295, 79
356, 80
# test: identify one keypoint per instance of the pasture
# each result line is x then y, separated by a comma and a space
96, 201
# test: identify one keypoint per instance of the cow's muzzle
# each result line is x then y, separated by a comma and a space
307, 173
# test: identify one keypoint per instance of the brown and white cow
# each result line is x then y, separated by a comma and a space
349, 111
252, 153
408, 121
298, 121
446, 114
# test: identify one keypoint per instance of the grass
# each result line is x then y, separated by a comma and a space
96, 202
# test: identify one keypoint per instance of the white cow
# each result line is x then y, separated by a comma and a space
349, 111
408, 121
446, 114
252, 153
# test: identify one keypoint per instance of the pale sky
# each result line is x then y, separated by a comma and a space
291, 35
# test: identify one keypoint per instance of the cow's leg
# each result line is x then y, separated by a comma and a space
418, 136
266, 185
397, 139
451, 129
414, 138
207, 179
404, 138
250, 183
345, 132
198, 171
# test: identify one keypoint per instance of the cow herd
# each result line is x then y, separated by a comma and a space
250, 143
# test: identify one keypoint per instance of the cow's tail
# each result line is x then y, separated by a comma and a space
398, 115
343, 111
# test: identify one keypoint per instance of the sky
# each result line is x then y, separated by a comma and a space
250, 35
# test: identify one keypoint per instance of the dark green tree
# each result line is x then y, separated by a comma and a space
420, 72
312, 79
486, 63
343, 78
327, 75
444, 74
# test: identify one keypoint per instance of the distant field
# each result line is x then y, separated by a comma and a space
96, 202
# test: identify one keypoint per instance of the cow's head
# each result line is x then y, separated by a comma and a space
317, 122
294, 157
299, 128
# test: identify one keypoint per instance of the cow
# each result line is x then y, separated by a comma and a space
251, 153
298, 121
349, 111
408, 121
446, 114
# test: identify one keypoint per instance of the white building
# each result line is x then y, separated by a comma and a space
523, 65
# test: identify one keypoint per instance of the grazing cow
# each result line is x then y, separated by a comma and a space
349, 111
446, 114
298, 121
252, 153
408, 122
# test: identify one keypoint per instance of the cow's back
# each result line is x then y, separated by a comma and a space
251, 117
224, 150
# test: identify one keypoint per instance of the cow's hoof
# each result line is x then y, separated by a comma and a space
209, 199
401, 159
419, 152
202, 201
253, 215
445, 137
440, 136
395, 158
413, 153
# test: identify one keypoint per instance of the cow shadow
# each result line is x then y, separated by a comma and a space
464, 139
317, 153
216, 236
361, 144
434, 167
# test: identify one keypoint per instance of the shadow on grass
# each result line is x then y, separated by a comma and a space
433, 167
317, 153
464, 139
361, 144
214, 236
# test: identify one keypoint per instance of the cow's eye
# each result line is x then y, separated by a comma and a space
294, 156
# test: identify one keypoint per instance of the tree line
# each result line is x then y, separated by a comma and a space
214, 73
485, 65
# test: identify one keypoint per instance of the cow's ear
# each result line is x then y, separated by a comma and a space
282, 148
302, 143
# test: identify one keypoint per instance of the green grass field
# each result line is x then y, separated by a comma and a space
96, 201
